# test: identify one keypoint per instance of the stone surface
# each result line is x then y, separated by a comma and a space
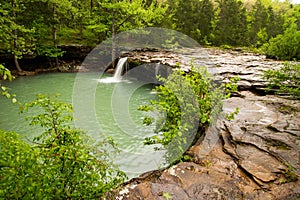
224, 64
255, 156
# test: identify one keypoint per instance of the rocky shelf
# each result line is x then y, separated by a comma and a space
255, 156
223, 64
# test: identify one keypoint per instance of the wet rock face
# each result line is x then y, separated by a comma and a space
255, 156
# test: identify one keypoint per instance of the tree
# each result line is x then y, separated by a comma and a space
15, 34
48, 18
80, 18
285, 46
111, 17
297, 15
259, 22
275, 23
205, 20
189, 102
61, 163
231, 25
59, 9
195, 18
16, 38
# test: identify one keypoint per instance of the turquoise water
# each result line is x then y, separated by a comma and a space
109, 109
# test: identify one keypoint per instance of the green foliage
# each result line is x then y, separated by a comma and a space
5, 74
186, 158
231, 86
229, 22
112, 17
262, 37
259, 19
187, 103
285, 80
50, 51
62, 163
166, 195
40, 26
290, 173
18, 168
275, 24
231, 25
285, 46
15, 38
230, 116
195, 19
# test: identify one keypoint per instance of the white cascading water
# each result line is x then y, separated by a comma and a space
118, 72
120, 68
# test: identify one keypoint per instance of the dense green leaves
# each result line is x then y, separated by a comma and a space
286, 80
231, 26
15, 38
285, 46
5, 74
40, 26
194, 18
231, 22
187, 103
62, 163
18, 160
259, 22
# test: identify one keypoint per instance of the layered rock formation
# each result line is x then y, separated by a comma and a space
255, 156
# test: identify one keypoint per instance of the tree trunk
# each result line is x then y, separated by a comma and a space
91, 5
113, 42
54, 33
15, 34
17, 64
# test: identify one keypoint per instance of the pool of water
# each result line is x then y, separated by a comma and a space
109, 109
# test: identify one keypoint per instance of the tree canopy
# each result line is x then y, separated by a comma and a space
40, 27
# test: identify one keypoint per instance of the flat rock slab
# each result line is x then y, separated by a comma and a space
255, 156
223, 64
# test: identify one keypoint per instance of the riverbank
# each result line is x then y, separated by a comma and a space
255, 156
34, 64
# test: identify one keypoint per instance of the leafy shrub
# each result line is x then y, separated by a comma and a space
285, 80
5, 74
285, 46
187, 103
50, 51
61, 163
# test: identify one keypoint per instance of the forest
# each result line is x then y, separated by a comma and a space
40, 27
63, 162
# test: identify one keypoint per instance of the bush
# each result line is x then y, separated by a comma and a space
61, 163
5, 74
187, 103
285, 46
285, 80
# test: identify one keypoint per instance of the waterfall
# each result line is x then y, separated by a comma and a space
120, 68
118, 72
